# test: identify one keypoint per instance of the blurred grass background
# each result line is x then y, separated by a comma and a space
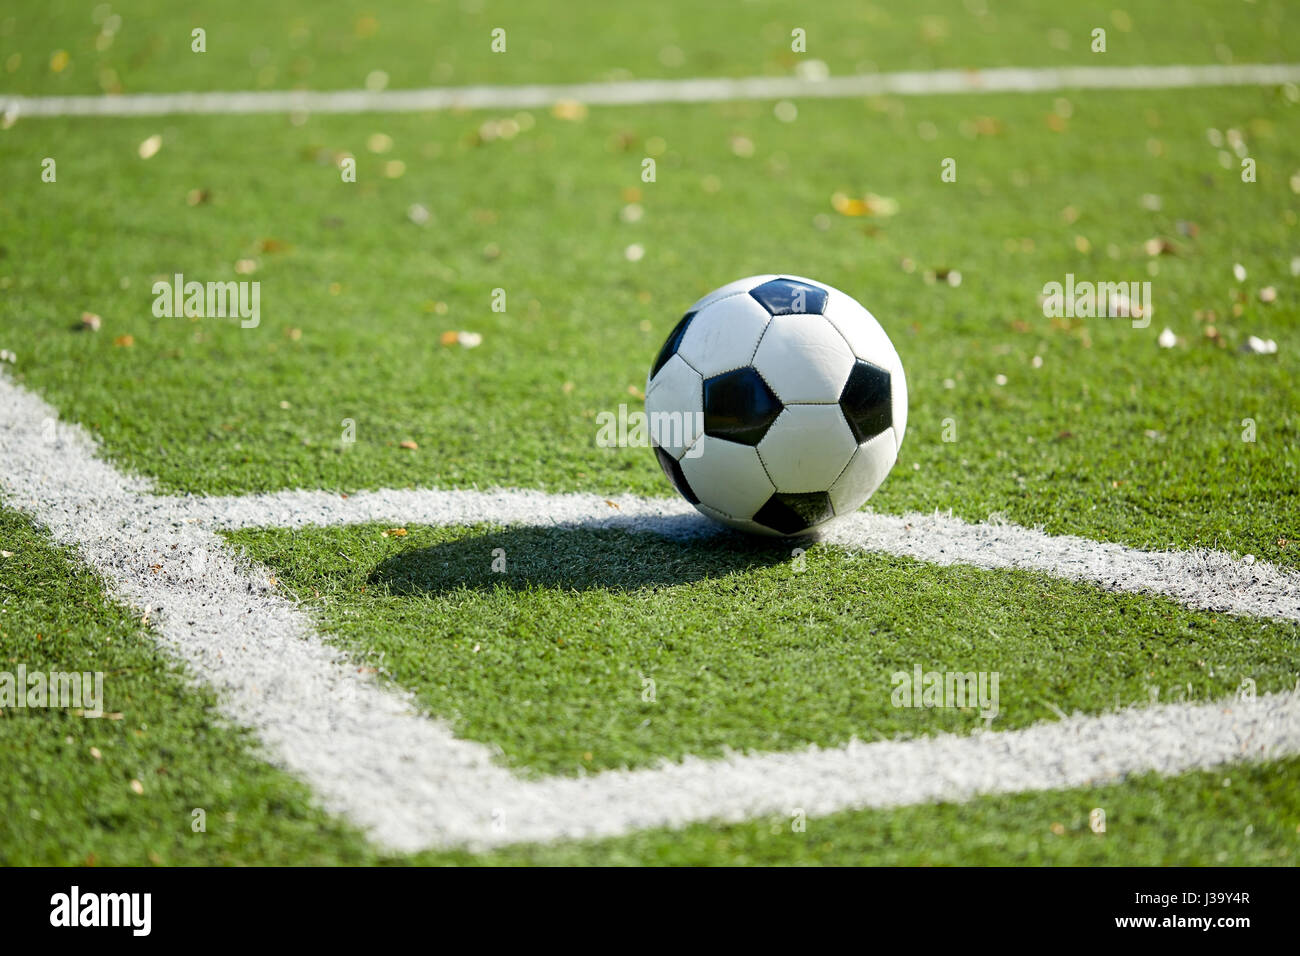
145, 45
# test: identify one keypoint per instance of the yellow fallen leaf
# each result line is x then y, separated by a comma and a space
569, 110
846, 206
124, 341
394, 533
409, 444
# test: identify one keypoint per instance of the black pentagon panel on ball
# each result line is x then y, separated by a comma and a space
672, 343
790, 297
673, 469
739, 407
866, 402
790, 514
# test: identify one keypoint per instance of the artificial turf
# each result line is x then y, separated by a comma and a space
1081, 426
549, 659
122, 789
66, 782
1109, 436
332, 44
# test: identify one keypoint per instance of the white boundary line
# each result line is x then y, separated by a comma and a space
1202, 579
370, 755
640, 92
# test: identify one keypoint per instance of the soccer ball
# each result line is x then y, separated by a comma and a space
776, 404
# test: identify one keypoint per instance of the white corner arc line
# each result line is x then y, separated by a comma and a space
644, 92
370, 755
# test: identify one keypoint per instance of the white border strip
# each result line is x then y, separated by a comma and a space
641, 92
369, 754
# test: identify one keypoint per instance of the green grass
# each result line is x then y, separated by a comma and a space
1108, 436
334, 44
65, 806
355, 296
548, 660
66, 780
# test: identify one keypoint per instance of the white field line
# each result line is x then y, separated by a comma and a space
370, 755
1206, 580
638, 92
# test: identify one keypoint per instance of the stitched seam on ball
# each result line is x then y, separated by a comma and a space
776, 490
761, 335
841, 334
658, 380
698, 438
736, 368
728, 514
898, 441
730, 295
831, 498
678, 354
766, 322
850, 461
759, 372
